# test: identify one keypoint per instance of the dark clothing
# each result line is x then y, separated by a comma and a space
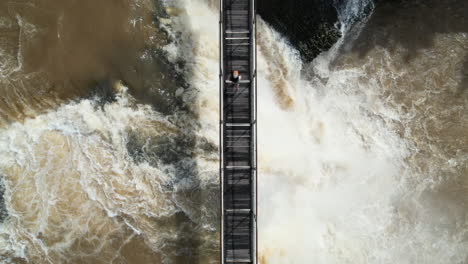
235, 80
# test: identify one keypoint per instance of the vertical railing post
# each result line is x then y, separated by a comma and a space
221, 127
254, 168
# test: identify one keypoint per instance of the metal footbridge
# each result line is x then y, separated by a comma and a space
238, 132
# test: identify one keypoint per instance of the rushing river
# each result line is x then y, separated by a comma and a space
109, 133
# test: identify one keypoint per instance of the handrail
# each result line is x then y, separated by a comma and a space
221, 123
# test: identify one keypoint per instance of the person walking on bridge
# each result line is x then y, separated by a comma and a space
236, 78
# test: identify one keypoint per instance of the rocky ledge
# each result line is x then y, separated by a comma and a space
309, 25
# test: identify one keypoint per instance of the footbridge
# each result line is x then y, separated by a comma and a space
238, 132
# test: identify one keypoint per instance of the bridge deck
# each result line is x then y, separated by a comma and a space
238, 132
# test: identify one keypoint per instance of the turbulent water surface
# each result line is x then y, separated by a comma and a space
109, 134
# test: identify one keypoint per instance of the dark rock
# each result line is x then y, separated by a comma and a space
310, 25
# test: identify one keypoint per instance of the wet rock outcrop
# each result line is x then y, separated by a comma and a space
310, 25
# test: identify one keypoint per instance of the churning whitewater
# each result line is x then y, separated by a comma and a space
362, 153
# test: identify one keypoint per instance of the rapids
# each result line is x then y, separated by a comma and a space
362, 152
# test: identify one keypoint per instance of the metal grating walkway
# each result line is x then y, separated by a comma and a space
238, 142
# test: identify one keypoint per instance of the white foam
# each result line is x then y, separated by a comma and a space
334, 184
333, 177
72, 166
